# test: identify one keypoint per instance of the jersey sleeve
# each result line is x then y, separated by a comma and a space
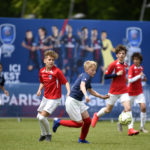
110, 69
130, 73
85, 78
62, 79
40, 77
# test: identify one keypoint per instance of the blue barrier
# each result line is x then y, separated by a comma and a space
23, 102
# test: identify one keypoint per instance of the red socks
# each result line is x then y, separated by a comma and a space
70, 123
85, 128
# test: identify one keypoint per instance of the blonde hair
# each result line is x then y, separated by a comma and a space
88, 64
51, 53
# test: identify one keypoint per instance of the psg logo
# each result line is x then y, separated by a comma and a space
7, 33
134, 36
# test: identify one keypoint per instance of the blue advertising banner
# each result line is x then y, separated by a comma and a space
23, 102
23, 42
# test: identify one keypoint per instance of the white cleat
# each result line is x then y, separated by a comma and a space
143, 130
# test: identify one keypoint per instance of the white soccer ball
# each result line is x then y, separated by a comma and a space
125, 118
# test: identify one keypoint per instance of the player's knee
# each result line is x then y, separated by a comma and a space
40, 117
108, 110
87, 121
143, 109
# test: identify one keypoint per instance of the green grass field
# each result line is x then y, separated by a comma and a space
24, 135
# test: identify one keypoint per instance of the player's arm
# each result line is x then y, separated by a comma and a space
83, 89
68, 88
131, 80
109, 74
93, 92
41, 86
5, 91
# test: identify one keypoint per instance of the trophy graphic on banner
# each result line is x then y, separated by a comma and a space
132, 41
7, 37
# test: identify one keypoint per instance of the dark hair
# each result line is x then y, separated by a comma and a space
83, 28
120, 48
137, 55
43, 29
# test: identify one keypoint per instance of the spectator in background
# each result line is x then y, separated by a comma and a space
106, 50
55, 42
2, 82
42, 44
86, 52
70, 49
96, 45
28, 43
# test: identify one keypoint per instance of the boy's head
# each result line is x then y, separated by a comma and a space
29, 34
90, 67
121, 52
137, 59
49, 58
1, 67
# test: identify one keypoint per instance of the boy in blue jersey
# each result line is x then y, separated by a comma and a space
75, 108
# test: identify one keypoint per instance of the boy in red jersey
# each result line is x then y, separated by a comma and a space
118, 89
135, 89
51, 79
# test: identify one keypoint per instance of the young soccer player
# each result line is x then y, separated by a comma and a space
118, 89
75, 107
2, 82
51, 79
135, 89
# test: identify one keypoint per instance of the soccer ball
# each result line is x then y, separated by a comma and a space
125, 118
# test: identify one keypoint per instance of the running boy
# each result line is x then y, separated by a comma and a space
135, 89
75, 107
118, 89
51, 79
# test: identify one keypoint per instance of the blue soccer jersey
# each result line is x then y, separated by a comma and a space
76, 93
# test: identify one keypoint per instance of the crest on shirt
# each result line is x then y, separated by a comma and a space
50, 76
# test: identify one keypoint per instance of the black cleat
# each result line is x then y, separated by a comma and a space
42, 138
48, 138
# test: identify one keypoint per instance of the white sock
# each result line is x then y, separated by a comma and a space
131, 124
143, 119
43, 120
101, 112
43, 131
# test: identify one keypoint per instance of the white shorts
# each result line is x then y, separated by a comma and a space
48, 105
113, 98
138, 99
75, 108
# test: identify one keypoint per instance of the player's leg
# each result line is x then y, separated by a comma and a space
142, 103
110, 103
46, 108
85, 127
125, 100
73, 110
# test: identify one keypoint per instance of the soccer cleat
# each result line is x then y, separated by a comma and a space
119, 127
56, 124
83, 141
94, 120
142, 129
42, 138
48, 138
132, 132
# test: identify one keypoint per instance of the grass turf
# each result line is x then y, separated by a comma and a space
24, 135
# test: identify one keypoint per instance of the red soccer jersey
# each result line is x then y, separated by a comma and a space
135, 88
52, 81
118, 84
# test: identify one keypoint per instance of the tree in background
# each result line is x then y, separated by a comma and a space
93, 9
